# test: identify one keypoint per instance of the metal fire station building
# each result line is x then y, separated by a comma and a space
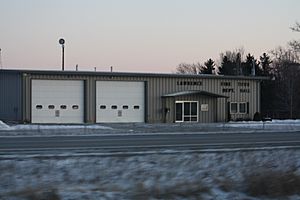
56, 97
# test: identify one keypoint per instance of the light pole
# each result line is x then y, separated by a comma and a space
62, 42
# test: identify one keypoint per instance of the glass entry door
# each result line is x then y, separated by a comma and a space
186, 111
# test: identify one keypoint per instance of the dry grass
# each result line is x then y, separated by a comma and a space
37, 194
226, 184
272, 184
183, 190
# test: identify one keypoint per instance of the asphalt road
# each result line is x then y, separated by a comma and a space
140, 143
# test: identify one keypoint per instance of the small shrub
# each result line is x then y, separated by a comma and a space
239, 119
257, 116
226, 185
272, 184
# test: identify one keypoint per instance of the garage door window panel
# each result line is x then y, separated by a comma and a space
75, 107
39, 107
114, 107
51, 107
63, 107
103, 107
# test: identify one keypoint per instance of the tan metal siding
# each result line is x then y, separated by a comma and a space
210, 115
158, 86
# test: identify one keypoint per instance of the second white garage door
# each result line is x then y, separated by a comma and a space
120, 101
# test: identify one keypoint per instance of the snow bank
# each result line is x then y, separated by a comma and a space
4, 126
54, 127
286, 121
273, 125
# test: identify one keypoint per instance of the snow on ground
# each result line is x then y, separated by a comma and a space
274, 124
214, 176
146, 128
4, 126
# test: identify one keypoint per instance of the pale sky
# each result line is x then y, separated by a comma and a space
139, 35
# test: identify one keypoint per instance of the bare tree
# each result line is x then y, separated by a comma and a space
296, 27
287, 71
184, 68
295, 44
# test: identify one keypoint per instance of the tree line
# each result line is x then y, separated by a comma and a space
280, 95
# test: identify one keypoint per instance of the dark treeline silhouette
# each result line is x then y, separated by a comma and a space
280, 95
231, 64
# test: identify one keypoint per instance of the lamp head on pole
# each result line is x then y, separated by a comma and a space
61, 41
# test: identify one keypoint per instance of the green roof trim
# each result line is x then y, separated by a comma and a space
134, 74
194, 92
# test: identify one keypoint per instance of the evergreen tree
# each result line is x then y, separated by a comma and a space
265, 62
208, 68
248, 65
227, 67
268, 88
238, 61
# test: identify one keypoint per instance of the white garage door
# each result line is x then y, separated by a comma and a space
57, 101
120, 101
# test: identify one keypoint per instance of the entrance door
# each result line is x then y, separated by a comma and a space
186, 111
